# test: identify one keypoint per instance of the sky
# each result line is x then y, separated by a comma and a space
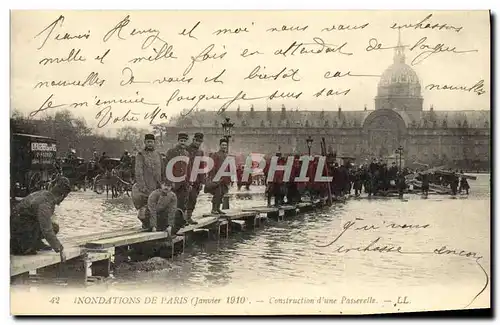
111, 61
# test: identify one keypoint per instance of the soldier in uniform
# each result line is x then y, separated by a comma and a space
218, 188
31, 220
180, 169
148, 176
194, 150
162, 205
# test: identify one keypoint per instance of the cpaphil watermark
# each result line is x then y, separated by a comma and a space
277, 169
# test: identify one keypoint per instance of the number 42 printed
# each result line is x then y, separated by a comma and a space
54, 300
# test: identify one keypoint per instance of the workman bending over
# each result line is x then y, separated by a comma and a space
31, 220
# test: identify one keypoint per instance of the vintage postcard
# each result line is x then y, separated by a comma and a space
249, 162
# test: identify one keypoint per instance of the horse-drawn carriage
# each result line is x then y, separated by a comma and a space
76, 170
116, 177
32, 163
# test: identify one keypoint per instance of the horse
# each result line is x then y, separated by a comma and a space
111, 181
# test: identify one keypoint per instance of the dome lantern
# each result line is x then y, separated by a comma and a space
399, 51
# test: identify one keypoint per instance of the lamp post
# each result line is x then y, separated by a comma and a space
227, 127
227, 130
399, 151
309, 142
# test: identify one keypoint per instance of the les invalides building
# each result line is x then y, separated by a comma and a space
459, 139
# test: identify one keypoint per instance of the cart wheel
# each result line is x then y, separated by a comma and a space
35, 183
99, 186
95, 181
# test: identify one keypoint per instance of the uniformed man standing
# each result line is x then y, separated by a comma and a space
218, 188
180, 169
148, 174
194, 151
31, 220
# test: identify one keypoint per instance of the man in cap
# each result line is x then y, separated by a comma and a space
194, 151
126, 160
218, 188
31, 220
162, 205
180, 169
148, 176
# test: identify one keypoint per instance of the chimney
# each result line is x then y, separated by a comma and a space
432, 107
283, 108
365, 107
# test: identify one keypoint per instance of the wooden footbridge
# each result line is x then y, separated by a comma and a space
90, 257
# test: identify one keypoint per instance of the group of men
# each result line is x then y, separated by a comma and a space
163, 203
167, 205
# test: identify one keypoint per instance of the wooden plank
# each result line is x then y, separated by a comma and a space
445, 172
127, 239
239, 223
304, 205
261, 216
239, 215
437, 188
26, 263
83, 239
202, 222
177, 239
232, 215
288, 207
261, 210
98, 256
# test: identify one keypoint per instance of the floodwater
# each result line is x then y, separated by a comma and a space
288, 251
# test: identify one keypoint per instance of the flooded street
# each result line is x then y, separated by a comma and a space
290, 252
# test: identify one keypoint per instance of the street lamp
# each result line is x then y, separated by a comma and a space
399, 151
227, 130
309, 141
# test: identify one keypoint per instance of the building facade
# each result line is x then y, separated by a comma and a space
455, 138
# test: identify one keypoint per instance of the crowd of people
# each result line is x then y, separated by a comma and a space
166, 205
375, 178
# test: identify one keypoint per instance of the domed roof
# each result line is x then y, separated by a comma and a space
399, 72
